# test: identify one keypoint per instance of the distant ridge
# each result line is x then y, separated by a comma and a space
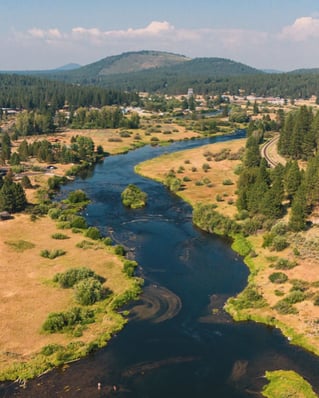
70, 66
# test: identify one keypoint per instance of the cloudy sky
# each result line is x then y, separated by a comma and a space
272, 34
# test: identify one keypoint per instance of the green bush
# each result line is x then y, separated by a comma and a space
228, 182
296, 296
299, 285
78, 222
88, 291
133, 197
85, 244
129, 267
279, 243
107, 241
285, 308
119, 250
93, 233
72, 276
59, 236
52, 254
278, 277
77, 196
283, 263
60, 321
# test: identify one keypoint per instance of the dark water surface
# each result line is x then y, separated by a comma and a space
173, 346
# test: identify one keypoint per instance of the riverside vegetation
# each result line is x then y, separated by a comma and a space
70, 332
269, 213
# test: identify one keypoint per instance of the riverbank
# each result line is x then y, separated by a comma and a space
259, 300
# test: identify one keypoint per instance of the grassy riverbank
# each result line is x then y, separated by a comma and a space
216, 186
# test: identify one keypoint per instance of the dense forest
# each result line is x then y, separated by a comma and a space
266, 195
283, 85
26, 92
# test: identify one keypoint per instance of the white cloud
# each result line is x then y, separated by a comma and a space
283, 50
44, 34
302, 29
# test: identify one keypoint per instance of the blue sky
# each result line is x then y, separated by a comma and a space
42, 34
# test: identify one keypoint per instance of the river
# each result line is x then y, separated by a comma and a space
179, 342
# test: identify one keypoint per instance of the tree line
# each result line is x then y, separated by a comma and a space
27, 92
266, 195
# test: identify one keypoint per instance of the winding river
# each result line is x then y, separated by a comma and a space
179, 341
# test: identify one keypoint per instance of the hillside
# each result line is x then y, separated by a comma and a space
128, 62
154, 71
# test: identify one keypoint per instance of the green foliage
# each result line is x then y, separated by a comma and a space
77, 196
85, 244
72, 276
133, 197
63, 321
59, 236
241, 246
129, 267
249, 298
284, 384
278, 277
52, 254
228, 182
119, 250
284, 264
283, 307
279, 243
12, 197
208, 219
88, 291
93, 233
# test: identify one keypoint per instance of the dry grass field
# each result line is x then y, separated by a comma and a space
27, 294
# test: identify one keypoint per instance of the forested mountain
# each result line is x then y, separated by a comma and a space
38, 93
154, 70
160, 72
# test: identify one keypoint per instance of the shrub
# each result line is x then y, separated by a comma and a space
129, 267
206, 167
59, 321
278, 277
285, 308
59, 236
88, 291
133, 197
74, 275
54, 213
107, 241
296, 296
93, 233
283, 263
77, 196
119, 250
228, 182
78, 222
279, 243
280, 228
299, 284
84, 244
52, 254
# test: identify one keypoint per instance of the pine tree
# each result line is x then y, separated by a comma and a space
292, 178
297, 221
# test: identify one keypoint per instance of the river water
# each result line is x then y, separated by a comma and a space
179, 342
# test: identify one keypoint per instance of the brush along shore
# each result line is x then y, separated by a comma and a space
283, 286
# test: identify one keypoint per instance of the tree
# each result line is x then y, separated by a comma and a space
133, 197
292, 178
297, 221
